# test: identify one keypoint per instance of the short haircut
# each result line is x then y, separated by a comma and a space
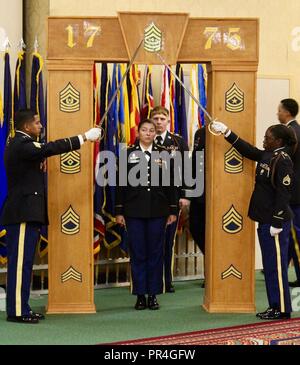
146, 121
23, 116
159, 110
291, 106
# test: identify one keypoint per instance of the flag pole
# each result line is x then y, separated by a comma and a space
119, 87
211, 120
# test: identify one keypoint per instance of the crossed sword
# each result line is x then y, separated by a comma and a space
211, 120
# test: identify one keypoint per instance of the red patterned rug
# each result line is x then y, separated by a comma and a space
284, 332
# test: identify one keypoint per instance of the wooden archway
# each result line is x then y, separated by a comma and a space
230, 47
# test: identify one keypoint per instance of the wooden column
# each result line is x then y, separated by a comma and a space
230, 243
70, 192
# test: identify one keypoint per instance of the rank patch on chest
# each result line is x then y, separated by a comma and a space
286, 180
37, 144
133, 158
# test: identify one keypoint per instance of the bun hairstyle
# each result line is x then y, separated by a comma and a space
287, 135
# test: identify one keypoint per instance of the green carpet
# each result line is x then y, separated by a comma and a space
117, 320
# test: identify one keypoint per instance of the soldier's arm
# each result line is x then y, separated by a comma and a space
245, 148
31, 150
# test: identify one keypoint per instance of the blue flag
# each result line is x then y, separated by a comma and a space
180, 105
99, 224
20, 84
37, 102
37, 105
106, 194
202, 92
4, 132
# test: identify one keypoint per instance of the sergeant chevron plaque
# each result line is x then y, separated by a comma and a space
70, 162
69, 99
152, 38
70, 222
234, 99
233, 161
232, 221
71, 274
231, 271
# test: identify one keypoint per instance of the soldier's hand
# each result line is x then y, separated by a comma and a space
120, 219
183, 203
93, 134
274, 231
219, 127
171, 219
43, 166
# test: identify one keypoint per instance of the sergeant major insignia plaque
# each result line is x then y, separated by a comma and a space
152, 38
69, 99
234, 99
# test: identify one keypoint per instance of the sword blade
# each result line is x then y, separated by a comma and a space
185, 88
120, 85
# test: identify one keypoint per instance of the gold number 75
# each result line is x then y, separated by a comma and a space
211, 31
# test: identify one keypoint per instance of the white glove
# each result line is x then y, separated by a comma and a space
219, 127
274, 231
93, 134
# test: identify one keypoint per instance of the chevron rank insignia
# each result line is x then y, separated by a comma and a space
231, 271
37, 144
152, 38
70, 162
234, 99
70, 222
286, 180
71, 274
232, 221
69, 99
233, 161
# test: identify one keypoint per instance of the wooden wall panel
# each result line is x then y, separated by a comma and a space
65, 190
77, 38
208, 39
171, 25
223, 189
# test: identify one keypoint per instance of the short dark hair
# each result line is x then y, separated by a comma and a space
146, 121
22, 116
291, 106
